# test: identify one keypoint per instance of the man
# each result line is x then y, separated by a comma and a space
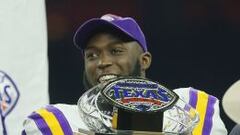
116, 45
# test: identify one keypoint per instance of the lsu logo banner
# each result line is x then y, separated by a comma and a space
139, 95
9, 96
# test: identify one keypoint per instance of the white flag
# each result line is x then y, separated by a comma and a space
23, 62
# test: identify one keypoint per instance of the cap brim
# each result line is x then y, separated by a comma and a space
231, 101
85, 30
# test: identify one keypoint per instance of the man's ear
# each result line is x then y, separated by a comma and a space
145, 60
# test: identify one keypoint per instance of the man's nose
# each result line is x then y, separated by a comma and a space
104, 61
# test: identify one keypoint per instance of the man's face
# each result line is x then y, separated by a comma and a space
106, 54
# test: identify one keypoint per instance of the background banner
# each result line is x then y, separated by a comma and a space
23, 62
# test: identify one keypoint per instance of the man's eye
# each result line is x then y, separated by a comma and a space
91, 56
116, 51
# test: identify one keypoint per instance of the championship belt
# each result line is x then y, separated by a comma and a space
134, 106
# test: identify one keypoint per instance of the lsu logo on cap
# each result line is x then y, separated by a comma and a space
9, 96
139, 95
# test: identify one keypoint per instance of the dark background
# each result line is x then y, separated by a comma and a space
193, 43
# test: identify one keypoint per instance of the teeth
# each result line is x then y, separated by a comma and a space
106, 78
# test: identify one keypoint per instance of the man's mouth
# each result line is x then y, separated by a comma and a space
105, 78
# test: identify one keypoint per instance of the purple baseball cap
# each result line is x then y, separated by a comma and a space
125, 25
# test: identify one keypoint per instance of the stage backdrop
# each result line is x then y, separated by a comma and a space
23, 62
